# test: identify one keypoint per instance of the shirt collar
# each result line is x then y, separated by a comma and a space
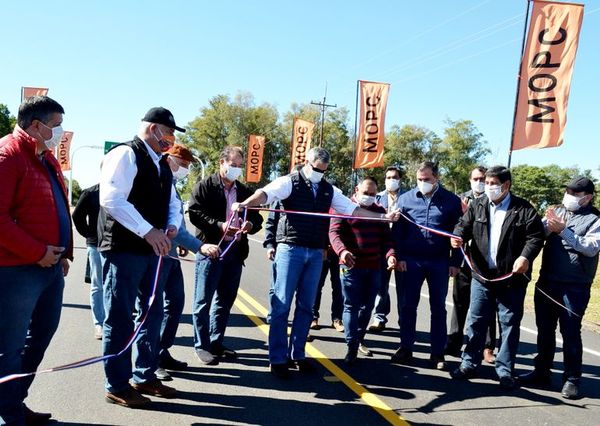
503, 204
155, 157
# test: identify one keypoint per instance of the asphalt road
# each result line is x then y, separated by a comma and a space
243, 392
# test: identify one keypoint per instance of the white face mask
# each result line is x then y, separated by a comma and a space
312, 175
233, 173
493, 192
477, 186
424, 187
365, 200
54, 141
181, 173
571, 202
392, 185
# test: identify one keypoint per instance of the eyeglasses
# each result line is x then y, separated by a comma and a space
315, 169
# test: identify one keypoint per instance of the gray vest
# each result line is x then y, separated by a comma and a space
560, 262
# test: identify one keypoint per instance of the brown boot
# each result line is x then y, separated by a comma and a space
488, 356
155, 388
127, 398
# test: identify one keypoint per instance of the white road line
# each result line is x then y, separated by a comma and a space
526, 329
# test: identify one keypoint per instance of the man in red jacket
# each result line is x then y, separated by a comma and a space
35, 243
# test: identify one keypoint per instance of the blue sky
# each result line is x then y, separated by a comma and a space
107, 62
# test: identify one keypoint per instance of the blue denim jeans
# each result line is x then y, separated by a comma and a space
216, 285
359, 287
128, 283
96, 293
508, 301
298, 270
174, 299
574, 296
436, 274
382, 300
30, 306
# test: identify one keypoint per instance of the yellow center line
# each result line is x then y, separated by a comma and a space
369, 398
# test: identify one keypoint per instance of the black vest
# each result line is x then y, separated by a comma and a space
150, 195
301, 230
560, 262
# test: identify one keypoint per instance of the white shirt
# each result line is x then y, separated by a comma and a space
281, 188
119, 168
497, 216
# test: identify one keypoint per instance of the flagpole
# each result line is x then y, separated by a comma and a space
512, 137
354, 176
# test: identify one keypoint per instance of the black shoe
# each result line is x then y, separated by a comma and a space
280, 371
508, 383
167, 362
33, 418
535, 379
223, 352
351, 356
163, 375
438, 362
463, 373
402, 356
305, 366
291, 364
570, 390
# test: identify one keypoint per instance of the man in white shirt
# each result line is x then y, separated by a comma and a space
142, 216
301, 240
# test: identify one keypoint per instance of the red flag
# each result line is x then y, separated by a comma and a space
371, 136
256, 147
545, 77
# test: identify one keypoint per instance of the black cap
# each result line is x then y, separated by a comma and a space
160, 115
581, 184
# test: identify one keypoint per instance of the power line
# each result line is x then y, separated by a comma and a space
323, 105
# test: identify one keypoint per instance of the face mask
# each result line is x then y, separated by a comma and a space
313, 176
477, 186
493, 192
571, 202
365, 200
392, 185
181, 173
165, 141
424, 187
233, 173
54, 140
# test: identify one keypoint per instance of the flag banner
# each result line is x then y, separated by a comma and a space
371, 137
256, 148
301, 138
545, 75
28, 92
63, 151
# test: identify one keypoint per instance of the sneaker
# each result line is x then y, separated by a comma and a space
310, 338
402, 356
351, 356
206, 357
462, 373
34, 418
167, 362
508, 383
223, 352
129, 398
305, 366
438, 362
280, 371
155, 388
314, 325
98, 332
376, 326
163, 375
488, 356
535, 379
570, 390
364, 350
338, 325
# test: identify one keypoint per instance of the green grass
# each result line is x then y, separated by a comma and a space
592, 313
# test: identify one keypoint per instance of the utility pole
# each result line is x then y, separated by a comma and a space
323, 105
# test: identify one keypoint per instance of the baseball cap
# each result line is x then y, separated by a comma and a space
581, 184
160, 115
182, 152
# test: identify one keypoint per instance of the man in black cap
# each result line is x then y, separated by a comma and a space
142, 216
569, 265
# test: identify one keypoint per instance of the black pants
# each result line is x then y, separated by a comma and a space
461, 296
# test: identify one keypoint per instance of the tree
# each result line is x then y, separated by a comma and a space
7, 121
462, 149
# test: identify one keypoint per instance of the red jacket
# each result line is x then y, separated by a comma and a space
28, 215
